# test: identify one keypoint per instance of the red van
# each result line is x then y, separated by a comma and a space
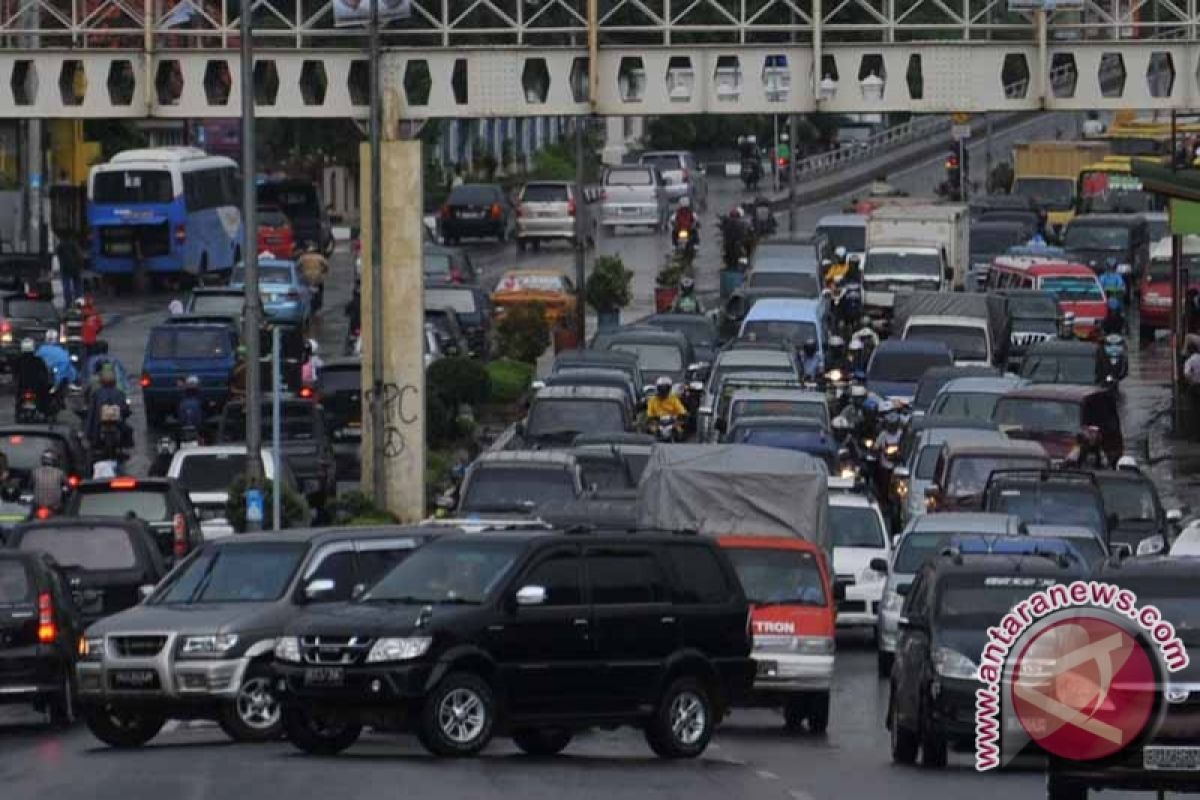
794, 613
1154, 305
1076, 286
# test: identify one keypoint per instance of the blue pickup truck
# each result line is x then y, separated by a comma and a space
202, 346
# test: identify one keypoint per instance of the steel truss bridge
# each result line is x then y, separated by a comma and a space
482, 58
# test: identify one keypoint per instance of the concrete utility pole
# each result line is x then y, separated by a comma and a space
378, 433
793, 130
580, 233
251, 321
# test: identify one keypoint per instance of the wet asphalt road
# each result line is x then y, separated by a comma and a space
751, 756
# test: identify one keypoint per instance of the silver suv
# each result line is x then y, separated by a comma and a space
634, 195
547, 210
682, 175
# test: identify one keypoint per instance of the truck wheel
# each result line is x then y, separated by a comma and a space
684, 721
122, 728
542, 741
317, 735
253, 716
794, 711
459, 716
818, 713
903, 741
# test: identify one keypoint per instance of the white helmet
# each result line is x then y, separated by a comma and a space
664, 381
1127, 462
840, 252
51, 336
856, 344
27, 345
685, 201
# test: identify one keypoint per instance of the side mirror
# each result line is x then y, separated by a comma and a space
904, 589
879, 565
531, 595
913, 624
358, 590
537, 385
145, 590
315, 588
1120, 550
1175, 515
445, 502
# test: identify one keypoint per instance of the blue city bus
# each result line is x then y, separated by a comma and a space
176, 209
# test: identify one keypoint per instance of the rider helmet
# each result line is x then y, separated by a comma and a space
810, 347
685, 201
51, 336
687, 285
858, 395
840, 253
80, 303
108, 376
1127, 462
663, 386
855, 346
27, 345
192, 384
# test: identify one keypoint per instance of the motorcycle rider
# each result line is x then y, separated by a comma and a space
853, 413
190, 411
100, 410
49, 482
57, 360
1067, 327
867, 335
685, 220
856, 353
31, 375
312, 363
1111, 281
751, 167
314, 268
1114, 319
838, 270
687, 302
889, 437
811, 363
835, 357
665, 403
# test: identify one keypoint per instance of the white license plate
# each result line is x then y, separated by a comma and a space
471, 214
628, 211
546, 214
767, 669
1163, 757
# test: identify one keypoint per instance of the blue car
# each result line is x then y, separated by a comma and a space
183, 347
799, 434
897, 365
285, 296
791, 319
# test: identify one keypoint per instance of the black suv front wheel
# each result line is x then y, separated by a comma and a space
459, 716
318, 734
684, 721
120, 727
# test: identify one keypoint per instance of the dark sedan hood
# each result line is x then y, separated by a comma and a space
372, 619
190, 618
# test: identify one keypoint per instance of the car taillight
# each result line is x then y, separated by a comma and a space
571, 208
47, 630
42, 513
179, 539
73, 481
5, 326
783, 162
145, 381
123, 483
27, 395
456, 275
496, 211
307, 392
180, 233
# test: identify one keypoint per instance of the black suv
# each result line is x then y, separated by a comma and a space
1049, 497
531, 634
158, 502
947, 610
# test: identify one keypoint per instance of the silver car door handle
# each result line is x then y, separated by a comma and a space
668, 620
581, 622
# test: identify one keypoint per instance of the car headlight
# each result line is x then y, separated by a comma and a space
815, 645
403, 649
892, 601
91, 648
1151, 545
287, 648
835, 375
949, 663
208, 646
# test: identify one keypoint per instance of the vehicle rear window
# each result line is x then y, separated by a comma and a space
771, 330
296, 200
976, 405
969, 474
150, 506
271, 218
779, 408
994, 241
298, 423
549, 417
904, 367
32, 309
266, 274
916, 548
779, 575
851, 237
856, 526
987, 599
210, 472
544, 193
472, 195
967, 344
1050, 504
24, 452
655, 358
531, 282
629, 177
189, 342
927, 461
132, 186
88, 548
235, 573
501, 489
666, 162
340, 380
15, 586
1072, 288
460, 301
801, 282
1131, 501
218, 304
1038, 415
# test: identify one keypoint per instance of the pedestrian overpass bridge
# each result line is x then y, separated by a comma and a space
483, 58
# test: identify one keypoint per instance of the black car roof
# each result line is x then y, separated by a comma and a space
1152, 567
1003, 565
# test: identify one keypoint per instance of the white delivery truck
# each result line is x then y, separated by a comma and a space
914, 247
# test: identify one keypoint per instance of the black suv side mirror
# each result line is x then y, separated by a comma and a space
879, 565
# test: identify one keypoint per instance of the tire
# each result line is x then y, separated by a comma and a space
254, 715
1059, 789
459, 716
542, 741
684, 721
793, 714
818, 713
883, 664
934, 750
61, 706
122, 729
316, 736
904, 743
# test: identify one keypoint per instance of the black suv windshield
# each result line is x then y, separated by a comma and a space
464, 572
243, 573
916, 547
778, 576
517, 488
1050, 504
558, 417
980, 601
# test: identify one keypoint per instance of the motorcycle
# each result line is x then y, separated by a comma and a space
1116, 357
762, 220
109, 443
847, 307
751, 173
665, 429
33, 409
684, 241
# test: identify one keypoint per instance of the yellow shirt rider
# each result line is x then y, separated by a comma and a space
664, 403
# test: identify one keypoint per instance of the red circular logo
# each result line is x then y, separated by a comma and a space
1083, 688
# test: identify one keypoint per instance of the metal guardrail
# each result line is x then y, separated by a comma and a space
873, 146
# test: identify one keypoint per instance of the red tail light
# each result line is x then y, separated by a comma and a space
47, 630
456, 275
783, 162
28, 396
951, 163
43, 513
5, 326
73, 481
179, 540
180, 233
123, 483
571, 208
306, 392
145, 381
497, 212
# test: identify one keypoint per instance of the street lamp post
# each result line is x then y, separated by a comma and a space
251, 322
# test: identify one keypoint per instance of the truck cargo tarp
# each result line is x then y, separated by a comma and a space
722, 490
990, 307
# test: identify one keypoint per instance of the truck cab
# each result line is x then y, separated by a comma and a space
969, 339
902, 267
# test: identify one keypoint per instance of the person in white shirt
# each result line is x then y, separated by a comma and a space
1092, 126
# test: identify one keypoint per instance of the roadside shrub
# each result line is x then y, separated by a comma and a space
459, 381
357, 508
608, 288
510, 380
523, 332
439, 422
294, 511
